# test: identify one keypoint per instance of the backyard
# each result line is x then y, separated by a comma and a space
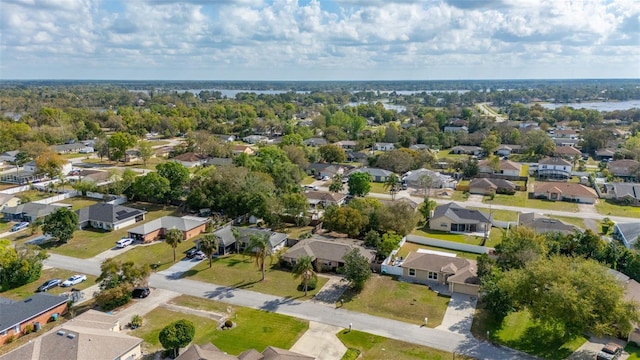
239, 271
495, 236
519, 332
27, 290
254, 329
606, 207
78, 203
521, 199
386, 297
409, 247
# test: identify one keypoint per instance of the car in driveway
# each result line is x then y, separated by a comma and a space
191, 252
611, 351
140, 292
48, 285
123, 243
200, 255
74, 280
20, 226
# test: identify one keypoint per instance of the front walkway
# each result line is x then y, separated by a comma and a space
321, 342
331, 291
459, 315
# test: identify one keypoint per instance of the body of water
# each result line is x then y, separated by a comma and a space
598, 105
398, 108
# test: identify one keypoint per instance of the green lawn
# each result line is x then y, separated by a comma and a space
377, 347
519, 332
74, 155
156, 253
307, 180
89, 243
378, 188
495, 236
254, 330
634, 351
524, 170
6, 225
33, 195
459, 196
446, 153
294, 232
386, 297
29, 289
606, 207
520, 199
408, 247
78, 203
240, 271
502, 215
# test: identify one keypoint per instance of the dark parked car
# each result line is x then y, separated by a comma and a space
192, 252
49, 284
140, 293
611, 351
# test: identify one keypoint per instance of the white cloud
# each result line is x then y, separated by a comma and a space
283, 39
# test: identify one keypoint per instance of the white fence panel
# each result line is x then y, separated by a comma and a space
56, 198
15, 190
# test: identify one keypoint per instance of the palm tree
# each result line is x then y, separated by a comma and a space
236, 236
209, 246
392, 184
173, 237
259, 247
304, 269
337, 185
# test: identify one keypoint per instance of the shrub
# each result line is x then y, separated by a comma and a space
228, 324
136, 321
113, 298
10, 339
311, 285
28, 329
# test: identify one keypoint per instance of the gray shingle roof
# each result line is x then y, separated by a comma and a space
459, 214
184, 223
34, 210
375, 172
325, 249
225, 234
107, 213
631, 231
542, 224
20, 311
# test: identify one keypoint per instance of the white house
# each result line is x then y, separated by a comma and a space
554, 168
383, 146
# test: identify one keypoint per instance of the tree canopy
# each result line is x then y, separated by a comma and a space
177, 335
61, 224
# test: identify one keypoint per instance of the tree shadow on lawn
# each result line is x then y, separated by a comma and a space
234, 262
541, 341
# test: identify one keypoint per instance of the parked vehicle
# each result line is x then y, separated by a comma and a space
74, 280
140, 293
48, 285
191, 252
611, 351
20, 226
123, 243
200, 255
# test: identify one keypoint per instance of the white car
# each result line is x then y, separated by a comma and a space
74, 280
123, 243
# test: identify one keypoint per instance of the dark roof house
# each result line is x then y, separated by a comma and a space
541, 224
109, 216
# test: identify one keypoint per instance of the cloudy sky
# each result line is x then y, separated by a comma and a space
319, 39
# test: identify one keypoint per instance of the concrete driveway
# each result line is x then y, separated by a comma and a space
141, 307
320, 341
459, 315
589, 349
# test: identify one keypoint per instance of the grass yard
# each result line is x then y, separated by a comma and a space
29, 289
386, 297
157, 253
7, 186
254, 330
6, 226
239, 271
634, 351
495, 236
377, 347
524, 170
74, 155
520, 199
519, 332
78, 203
308, 180
378, 188
33, 195
502, 215
294, 232
408, 247
446, 154
89, 243
606, 207
459, 196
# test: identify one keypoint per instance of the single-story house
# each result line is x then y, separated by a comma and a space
562, 142
625, 193
326, 254
486, 186
377, 175
346, 144
419, 147
163, 151
353, 156
541, 224
211, 352
379, 146
225, 138
8, 200
31, 167
566, 134
243, 149
605, 154
109, 217
218, 161
190, 226
632, 293
452, 217
35, 311
320, 170
28, 212
623, 168
460, 274
317, 141
131, 155
456, 129
191, 159
505, 167
95, 176
628, 233
567, 152
554, 168
9, 156
68, 148
228, 242
466, 150
255, 139
508, 149
324, 198
560, 191
415, 179
91, 335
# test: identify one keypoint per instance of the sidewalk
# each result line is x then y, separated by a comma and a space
321, 342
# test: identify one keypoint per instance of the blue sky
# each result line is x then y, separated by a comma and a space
319, 40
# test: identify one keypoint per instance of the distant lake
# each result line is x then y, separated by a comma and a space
598, 105
398, 108
231, 94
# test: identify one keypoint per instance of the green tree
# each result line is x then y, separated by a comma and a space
209, 246
291, 139
537, 143
345, 219
50, 164
390, 241
173, 238
145, 150
359, 184
119, 143
426, 208
372, 239
332, 153
19, 265
392, 184
21, 159
61, 224
356, 269
260, 248
399, 217
304, 269
296, 205
336, 183
114, 273
177, 335
490, 144
151, 187
178, 176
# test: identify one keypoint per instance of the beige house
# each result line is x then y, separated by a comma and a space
452, 217
459, 274
560, 191
324, 198
485, 186
623, 168
326, 254
8, 200
506, 167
